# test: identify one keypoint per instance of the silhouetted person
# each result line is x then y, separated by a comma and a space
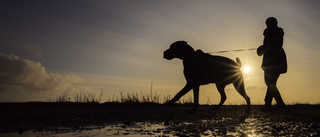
274, 61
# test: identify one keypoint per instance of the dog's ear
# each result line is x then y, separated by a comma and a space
183, 42
178, 43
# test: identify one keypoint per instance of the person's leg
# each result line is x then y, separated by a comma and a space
276, 93
271, 81
269, 97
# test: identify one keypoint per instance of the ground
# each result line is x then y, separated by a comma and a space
20, 117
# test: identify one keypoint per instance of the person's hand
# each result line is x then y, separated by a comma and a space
260, 50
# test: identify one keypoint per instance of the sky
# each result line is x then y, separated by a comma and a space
52, 47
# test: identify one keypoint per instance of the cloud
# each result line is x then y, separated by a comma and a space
29, 79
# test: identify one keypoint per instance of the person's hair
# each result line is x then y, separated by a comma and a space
272, 21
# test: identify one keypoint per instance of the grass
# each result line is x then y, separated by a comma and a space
137, 97
146, 98
151, 97
81, 97
86, 97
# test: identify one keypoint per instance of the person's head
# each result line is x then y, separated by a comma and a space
272, 22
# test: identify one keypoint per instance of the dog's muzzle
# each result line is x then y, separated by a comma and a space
167, 55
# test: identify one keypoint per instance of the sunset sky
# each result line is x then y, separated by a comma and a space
49, 47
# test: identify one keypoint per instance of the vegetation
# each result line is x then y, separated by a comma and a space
87, 97
145, 98
81, 97
87, 109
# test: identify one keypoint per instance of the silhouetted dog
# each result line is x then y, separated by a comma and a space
202, 68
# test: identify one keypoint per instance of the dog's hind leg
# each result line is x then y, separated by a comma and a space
220, 88
239, 86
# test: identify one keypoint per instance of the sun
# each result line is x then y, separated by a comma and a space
246, 69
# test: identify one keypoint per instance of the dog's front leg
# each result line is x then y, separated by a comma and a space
184, 91
195, 100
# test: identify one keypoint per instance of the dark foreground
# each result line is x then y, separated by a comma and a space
21, 117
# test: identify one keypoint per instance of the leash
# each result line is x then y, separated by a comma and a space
233, 50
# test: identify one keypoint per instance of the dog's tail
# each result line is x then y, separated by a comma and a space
239, 62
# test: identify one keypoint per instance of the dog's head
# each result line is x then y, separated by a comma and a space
178, 49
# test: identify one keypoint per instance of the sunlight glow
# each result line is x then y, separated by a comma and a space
246, 69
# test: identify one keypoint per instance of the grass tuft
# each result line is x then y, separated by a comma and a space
81, 97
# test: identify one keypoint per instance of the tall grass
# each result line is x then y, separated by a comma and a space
138, 98
142, 97
81, 97
145, 98
63, 97
87, 97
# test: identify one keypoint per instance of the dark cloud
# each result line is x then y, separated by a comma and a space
22, 76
